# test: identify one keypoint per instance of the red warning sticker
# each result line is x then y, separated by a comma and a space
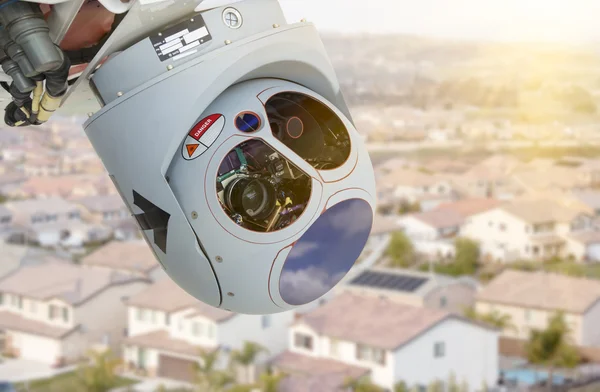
203, 126
202, 136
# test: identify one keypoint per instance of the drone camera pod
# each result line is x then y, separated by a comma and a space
227, 136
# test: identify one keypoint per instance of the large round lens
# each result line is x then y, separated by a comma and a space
326, 252
252, 198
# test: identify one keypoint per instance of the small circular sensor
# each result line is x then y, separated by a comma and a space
248, 122
295, 127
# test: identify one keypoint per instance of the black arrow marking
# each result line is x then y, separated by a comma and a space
153, 218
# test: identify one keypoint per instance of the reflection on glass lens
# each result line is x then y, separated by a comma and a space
326, 252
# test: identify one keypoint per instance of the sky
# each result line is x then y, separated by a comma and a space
567, 21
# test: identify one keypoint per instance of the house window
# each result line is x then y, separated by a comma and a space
51, 312
197, 329
32, 306
65, 315
527, 315
266, 321
74, 215
153, 317
1, 298
439, 350
502, 227
490, 224
303, 341
443, 302
370, 354
141, 314
211, 331
334, 348
167, 319
17, 301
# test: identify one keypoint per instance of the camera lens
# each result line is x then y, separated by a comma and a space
251, 198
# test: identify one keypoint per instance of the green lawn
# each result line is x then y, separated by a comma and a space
66, 382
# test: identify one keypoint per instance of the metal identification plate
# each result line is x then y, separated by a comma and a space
182, 39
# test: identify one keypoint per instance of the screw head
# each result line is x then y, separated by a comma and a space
303, 20
170, 67
90, 114
191, 20
231, 294
194, 215
232, 18
227, 42
275, 26
120, 94
160, 34
219, 259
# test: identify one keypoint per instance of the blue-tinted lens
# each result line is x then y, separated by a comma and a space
247, 122
326, 252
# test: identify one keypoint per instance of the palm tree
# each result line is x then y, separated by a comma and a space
246, 357
100, 376
208, 377
401, 387
361, 385
551, 347
494, 318
269, 381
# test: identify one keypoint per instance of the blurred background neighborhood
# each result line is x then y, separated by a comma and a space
482, 272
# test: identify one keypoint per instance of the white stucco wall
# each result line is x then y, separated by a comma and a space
591, 326
471, 353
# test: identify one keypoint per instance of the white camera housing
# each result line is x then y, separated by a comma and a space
238, 157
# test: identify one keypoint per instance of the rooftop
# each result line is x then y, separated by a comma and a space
403, 281
541, 211
134, 256
53, 204
306, 373
468, 207
161, 340
440, 219
166, 296
68, 282
13, 321
542, 290
103, 203
383, 224
367, 320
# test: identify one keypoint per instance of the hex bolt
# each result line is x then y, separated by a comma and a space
194, 215
219, 259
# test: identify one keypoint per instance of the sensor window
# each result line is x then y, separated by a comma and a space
310, 129
326, 252
259, 189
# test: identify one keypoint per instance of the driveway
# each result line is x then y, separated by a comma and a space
150, 384
18, 370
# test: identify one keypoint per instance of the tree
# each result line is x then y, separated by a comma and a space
401, 250
362, 385
467, 255
100, 375
452, 384
269, 381
494, 318
401, 387
551, 347
208, 378
435, 386
246, 357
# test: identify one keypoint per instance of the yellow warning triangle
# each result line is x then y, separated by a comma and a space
191, 148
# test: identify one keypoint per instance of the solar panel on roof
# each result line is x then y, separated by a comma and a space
389, 281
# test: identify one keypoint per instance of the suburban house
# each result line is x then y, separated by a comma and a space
432, 233
383, 228
42, 166
69, 187
53, 222
411, 186
131, 257
103, 209
415, 288
168, 329
53, 312
528, 229
531, 298
357, 336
